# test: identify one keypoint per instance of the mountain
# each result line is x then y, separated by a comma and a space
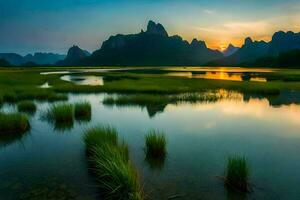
283, 42
12, 58
43, 58
290, 59
151, 47
38, 58
262, 51
4, 63
75, 54
230, 50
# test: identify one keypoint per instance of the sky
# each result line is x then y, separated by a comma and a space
28, 26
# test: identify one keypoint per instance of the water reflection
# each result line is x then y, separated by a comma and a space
84, 79
200, 136
220, 75
155, 163
45, 85
7, 139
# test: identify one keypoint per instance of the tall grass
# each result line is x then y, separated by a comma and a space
1, 101
237, 173
100, 135
26, 106
83, 111
62, 115
155, 144
155, 99
117, 177
13, 123
10, 98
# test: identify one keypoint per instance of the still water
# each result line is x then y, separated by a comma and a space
50, 163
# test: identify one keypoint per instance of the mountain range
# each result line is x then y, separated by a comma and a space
151, 47
155, 47
253, 52
37, 58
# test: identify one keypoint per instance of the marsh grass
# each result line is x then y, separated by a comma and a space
155, 144
100, 135
237, 174
154, 99
1, 101
13, 123
116, 175
83, 111
62, 115
10, 98
26, 106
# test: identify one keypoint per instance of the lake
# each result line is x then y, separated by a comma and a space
50, 163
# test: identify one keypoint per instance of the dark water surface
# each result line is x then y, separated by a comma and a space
47, 163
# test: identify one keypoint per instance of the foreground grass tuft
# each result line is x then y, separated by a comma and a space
26, 106
100, 135
116, 175
237, 174
13, 123
155, 143
83, 111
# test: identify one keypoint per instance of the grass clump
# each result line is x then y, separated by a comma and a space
83, 111
100, 135
116, 175
13, 123
62, 115
155, 142
237, 174
26, 106
10, 98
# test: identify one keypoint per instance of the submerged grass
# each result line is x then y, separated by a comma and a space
237, 174
116, 175
26, 106
83, 111
13, 123
155, 144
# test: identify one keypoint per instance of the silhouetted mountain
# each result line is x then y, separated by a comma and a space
286, 59
262, 51
4, 63
230, 50
38, 58
283, 42
43, 58
75, 54
12, 58
156, 29
151, 47
29, 64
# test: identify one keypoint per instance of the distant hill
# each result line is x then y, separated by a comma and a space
230, 50
75, 54
44, 58
12, 58
151, 47
4, 63
259, 51
37, 58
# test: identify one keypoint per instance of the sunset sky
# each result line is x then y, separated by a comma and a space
27, 26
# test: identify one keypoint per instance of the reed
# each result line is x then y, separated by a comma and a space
237, 174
